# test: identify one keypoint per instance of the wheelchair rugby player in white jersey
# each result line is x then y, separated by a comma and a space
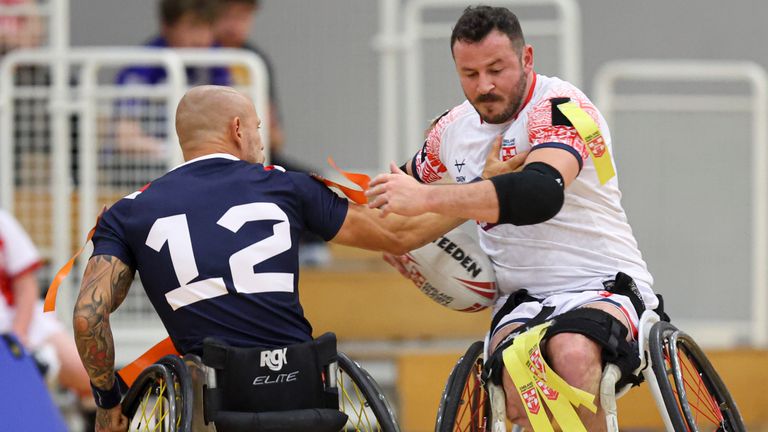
555, 229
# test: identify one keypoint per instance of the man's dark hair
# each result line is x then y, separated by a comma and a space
477, 22
204, 10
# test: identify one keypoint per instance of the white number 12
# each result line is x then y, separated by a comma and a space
175, 231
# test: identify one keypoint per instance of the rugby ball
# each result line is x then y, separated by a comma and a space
454, 272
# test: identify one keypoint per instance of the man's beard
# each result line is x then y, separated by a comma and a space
515, 101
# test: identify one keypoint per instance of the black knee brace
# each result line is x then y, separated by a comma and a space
601, 327
608, 332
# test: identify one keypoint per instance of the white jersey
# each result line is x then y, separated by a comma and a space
586, 243
18, 255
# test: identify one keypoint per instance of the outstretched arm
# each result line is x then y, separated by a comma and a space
371, 229
530, 196
105, 284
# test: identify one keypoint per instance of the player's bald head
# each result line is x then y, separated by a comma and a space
215, 119
206, 110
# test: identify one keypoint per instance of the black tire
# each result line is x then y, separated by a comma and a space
464, 391
702, 397
169, 382
369, 390
183, 389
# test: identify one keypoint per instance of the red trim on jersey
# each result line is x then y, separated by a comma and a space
5, 288
6, 285
5, 281
529, 96
145, 187
30, 268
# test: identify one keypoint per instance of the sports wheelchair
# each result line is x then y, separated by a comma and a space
689, 394
184, 394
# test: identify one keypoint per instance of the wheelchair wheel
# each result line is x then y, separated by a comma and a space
694, 395
362, 400
160, 399
464, 404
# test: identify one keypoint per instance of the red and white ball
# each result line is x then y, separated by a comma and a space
454, 272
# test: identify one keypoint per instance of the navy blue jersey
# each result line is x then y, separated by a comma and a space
215, 242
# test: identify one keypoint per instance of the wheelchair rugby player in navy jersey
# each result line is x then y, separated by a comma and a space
215, 241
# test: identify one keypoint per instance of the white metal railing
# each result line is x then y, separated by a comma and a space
390, 42
610, 102
84, 99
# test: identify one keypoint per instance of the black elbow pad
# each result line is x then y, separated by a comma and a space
531, 196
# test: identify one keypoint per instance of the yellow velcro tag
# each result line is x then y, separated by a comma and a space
536, 381
549, 379
527, 390
590, 133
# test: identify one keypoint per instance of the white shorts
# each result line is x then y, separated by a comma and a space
41, 328
566, 302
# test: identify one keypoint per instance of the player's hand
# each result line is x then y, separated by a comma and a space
495, 166
398, 262
111, 420
397, 193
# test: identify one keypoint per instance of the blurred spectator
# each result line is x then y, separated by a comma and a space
23, 29
21, 310
231, 30
183, 24
140, 133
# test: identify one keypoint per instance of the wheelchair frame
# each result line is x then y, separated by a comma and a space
148, 408
660, 346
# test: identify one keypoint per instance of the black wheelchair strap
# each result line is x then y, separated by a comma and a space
660, 309
325, 346
212, 405
214, 353
624, 285
605, 330
495, 365
514, 300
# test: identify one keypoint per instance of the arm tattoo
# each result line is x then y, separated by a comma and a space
105, 285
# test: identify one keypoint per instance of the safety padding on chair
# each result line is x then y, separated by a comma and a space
25, 404
269, 379
316, 420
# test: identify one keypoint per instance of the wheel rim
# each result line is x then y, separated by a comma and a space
702, 410
154, 411
353, 403
471, 415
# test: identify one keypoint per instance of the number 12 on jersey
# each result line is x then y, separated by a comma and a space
174, 230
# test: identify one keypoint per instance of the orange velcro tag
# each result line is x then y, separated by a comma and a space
362, 180
163, 348
50, 296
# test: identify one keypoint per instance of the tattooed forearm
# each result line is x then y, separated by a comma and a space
105, 285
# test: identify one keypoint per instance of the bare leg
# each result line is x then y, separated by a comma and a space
515, 410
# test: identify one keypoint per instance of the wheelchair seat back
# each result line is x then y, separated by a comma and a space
266, 388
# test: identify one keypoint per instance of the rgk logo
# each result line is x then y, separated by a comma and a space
274, 359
